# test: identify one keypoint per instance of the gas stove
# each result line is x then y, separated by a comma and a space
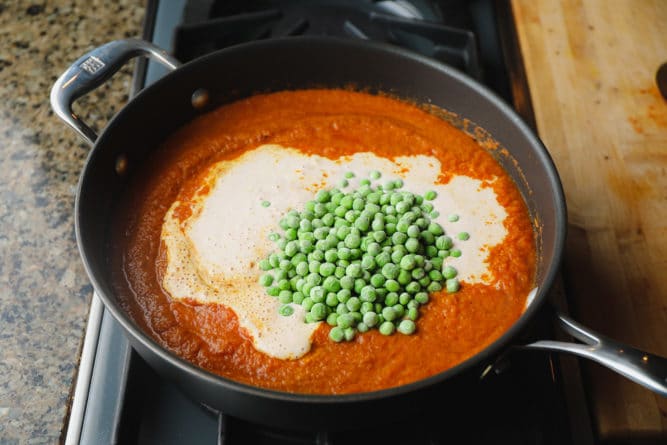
120, 399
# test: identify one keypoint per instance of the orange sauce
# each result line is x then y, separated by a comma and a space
451, 327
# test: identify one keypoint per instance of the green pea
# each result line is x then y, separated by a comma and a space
421, 297
362, 327
413, 313
399, 309
389, 313
404, 277
368, 293
343, 295
336, 334
332, 319
331, 299
266, 280
285, 296
265, 265
413, 287
353, 304
452, 285
307, 304
359, 284
368, 262
404, 298
317, 294
347, 282
430, 195
406, 327
314, 266
378, 280
449, 272
427, 237
408, 262
313, 279
402, 207
354, 270
302, 269
352, 241
402, 226
444, 242
412, 245
297, 297
375, 174
413, 231
370, 319
345, 320
436, 263
391, 299
382, 259
387, 328
286, 310
455, 253
390, 271
327, 269
349, 334
392, 285
463, 236
290, 234
434, 286
418, 273
283, 284
435, 229
322, 196
318, 311
435, 275
396, 256
453, 217
431, 251
279, 275
362, 223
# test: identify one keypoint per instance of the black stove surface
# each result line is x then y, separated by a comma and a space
128, 403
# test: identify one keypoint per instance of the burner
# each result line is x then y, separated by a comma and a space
212, 25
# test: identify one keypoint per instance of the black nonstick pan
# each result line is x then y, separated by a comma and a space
296, 63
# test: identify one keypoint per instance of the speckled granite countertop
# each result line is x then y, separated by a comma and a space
44, 291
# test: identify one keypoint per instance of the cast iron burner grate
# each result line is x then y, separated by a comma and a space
416, 25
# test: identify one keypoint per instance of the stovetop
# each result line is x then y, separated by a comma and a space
120, 399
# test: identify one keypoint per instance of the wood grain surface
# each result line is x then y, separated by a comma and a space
591, 67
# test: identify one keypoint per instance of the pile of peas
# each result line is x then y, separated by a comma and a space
361, 259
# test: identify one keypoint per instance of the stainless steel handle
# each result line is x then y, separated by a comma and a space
641, 367
92, 70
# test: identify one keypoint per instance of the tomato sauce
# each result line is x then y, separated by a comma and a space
331, 123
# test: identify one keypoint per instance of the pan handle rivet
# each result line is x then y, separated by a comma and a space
199, 98
121, 165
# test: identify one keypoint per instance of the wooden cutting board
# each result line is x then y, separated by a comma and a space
590, 67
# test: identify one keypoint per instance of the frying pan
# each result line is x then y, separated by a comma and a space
306, 62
